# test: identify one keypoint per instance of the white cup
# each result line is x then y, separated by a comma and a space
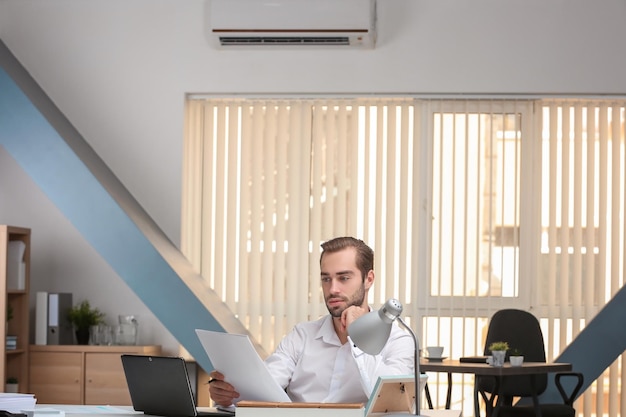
435, 351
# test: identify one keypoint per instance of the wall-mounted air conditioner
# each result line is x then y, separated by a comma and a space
329, 23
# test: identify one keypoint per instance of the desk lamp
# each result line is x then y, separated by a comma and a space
371, 331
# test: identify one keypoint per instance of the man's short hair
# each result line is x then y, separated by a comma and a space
364, 254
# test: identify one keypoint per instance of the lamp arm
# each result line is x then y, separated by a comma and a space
416, 365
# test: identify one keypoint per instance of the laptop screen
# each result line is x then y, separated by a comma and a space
159, 385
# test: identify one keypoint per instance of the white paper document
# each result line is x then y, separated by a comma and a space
14, 403
234, 356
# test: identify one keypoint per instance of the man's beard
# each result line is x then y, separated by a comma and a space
356, 300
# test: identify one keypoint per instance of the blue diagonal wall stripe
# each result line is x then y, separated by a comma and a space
75, 179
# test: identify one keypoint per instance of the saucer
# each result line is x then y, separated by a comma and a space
436, 359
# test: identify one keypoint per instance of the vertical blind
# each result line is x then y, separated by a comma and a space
470, 206
582, 229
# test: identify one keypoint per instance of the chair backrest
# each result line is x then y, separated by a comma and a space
522, 331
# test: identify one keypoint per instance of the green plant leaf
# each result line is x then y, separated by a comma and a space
498, 346
83, 316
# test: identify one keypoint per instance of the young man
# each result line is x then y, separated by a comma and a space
316, 361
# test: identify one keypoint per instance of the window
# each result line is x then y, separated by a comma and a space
470, 206
476, 184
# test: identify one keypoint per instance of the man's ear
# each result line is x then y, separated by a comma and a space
369, 279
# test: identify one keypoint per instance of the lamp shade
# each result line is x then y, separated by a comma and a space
371, 331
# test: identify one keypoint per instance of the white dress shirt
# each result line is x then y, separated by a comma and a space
313, 365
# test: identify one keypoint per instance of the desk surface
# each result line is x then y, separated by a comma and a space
441, 413
127, 411
527, 368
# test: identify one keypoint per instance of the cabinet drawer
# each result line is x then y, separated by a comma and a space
56, 378
104, 380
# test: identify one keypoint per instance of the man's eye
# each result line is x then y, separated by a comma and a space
344, 278
325, 280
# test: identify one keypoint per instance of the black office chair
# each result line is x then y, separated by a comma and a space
522, 331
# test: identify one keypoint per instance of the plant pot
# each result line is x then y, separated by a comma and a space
516, 360
498, 357
12, 388
82, 336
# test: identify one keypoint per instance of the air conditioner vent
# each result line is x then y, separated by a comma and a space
281, 40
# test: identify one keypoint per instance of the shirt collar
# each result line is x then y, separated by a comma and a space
327, 333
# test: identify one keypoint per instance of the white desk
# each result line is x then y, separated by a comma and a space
127, 411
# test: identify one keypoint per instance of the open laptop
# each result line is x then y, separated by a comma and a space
159, 385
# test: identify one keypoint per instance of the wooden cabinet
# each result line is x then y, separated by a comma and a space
202, 389
14, 288
80, 374
199, 379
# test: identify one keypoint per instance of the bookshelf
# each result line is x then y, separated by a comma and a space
14, 301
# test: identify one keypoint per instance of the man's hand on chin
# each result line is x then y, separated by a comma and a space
350, 314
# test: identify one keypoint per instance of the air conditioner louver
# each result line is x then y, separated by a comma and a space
278, 40
292, 23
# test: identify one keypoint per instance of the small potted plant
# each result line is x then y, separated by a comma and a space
9, 316
498, 352
83, 316
11, 385
516, 357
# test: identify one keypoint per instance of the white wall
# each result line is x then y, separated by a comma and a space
120, 69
